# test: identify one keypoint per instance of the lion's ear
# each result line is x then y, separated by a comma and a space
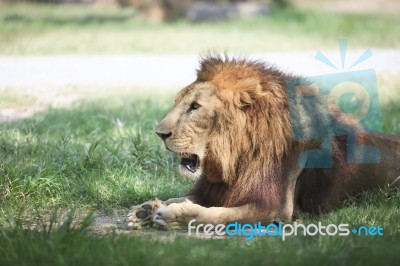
246, 91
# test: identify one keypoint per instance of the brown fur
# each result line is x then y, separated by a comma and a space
250, 152
254, 99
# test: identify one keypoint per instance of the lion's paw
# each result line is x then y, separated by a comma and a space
175, 216
141, 216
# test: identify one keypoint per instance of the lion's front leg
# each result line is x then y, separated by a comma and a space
141, 216
178, 215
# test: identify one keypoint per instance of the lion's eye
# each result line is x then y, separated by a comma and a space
193, 106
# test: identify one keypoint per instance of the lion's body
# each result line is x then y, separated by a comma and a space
316, 189
260, 166
238, 128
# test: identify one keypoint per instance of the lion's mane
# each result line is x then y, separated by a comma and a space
253, 134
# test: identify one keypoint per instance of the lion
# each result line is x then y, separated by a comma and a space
232, 130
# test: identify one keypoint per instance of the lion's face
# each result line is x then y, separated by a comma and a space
186, 128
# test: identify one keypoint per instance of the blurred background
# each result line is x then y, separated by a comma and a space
54, 52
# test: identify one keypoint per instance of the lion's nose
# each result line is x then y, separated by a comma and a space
163, 135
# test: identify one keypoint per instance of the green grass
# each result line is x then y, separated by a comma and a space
67, 246
103, 155
46, 29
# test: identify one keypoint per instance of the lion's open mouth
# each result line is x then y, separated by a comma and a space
191, 162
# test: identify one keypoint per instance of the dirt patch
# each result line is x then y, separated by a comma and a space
32, 84
115, 224
100, 224
21, 102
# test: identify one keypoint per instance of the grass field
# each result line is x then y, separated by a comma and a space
102, 156
45, 29
99, 156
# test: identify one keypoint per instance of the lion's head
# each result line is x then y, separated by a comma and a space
187, 127
234, 114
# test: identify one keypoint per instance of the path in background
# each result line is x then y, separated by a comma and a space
52, 80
